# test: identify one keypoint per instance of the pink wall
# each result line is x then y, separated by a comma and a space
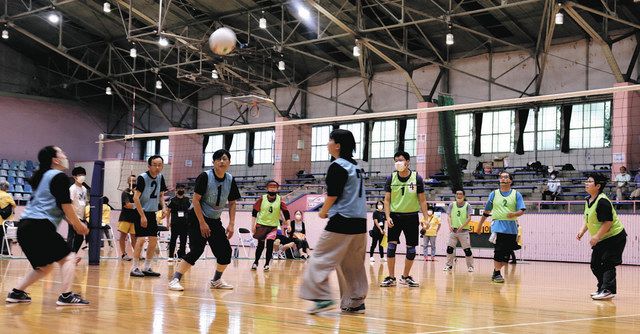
32, 123
428, 160
185, 156
626, 130
286, 146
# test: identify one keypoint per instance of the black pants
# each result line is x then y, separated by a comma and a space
178, 230
606, 255
376, 239
74, 240
218, 241
552, 196
301, 244
260, 248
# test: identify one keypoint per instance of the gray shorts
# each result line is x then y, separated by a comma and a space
462, 236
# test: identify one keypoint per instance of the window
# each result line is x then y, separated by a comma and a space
383, 139
497, 131
590, 125
238, 149
157, 147
319, 139
215, 143
358, 134
548, 129
464, 126
263, 147
410, 137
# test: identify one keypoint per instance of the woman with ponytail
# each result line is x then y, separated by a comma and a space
37, 234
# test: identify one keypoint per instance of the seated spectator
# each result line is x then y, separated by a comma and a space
552, 188
7, 205
283, 244
299, 235
622, 183
635, 195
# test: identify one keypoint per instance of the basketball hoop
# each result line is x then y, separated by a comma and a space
252, 102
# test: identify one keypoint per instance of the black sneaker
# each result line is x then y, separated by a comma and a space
497, 278
408, 280
71, 299
17, 296
354, 310
136, 272
149, 272
388, 281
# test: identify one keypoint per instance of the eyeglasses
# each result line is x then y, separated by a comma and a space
589, 181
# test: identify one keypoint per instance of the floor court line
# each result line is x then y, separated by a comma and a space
168, 295
532, 324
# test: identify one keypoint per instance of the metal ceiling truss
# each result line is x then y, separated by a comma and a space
184, 68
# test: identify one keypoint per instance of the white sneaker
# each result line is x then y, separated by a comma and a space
603, 295
220, 284
372, 260
470, 269
384, 259
171, 259
282, 255
175, 285
594, 293
447, 268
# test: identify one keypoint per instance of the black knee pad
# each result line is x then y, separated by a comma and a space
467, 252
450, 250
391, 250
411, 253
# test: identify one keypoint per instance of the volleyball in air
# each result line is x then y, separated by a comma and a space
222, 41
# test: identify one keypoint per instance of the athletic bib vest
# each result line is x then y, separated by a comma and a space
43, 204
404, 195
216, 196
150, 197
353, 201
594, 225
503, 205
459, 215
269, 214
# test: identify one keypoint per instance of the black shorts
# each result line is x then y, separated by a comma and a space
152, 225
505, 244
409, 223
283, 239
41, 243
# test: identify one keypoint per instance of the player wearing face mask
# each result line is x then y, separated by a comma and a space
404, 198
377, 232
265, 221
177, 222
79, 193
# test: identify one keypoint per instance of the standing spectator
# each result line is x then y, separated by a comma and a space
377, 231
177, 222
430, 227
622, 183
553, 188
7, 204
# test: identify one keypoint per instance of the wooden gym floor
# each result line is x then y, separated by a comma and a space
538, 297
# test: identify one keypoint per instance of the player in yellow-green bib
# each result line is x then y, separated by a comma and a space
459, 218
608, 236
265, 221
404, 197
504, 206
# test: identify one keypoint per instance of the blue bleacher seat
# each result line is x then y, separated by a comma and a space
12, 173
11, 189
11, 179
4, 173
30, 164
14, 165
20, 181
27, 188
28, 174
5, 165
19, 188
20, 174
2, 178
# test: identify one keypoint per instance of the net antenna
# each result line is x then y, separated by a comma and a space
251, 102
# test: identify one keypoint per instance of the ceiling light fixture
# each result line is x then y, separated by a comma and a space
214, 74
158, 84
281, 65
108, 91
106, 7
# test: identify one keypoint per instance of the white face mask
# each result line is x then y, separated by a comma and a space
400, 166
64, 163
298, 217
553, 177
380, 207
81, 178
430, 213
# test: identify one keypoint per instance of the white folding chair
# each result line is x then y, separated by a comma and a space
245, 240
111, 239
10, 233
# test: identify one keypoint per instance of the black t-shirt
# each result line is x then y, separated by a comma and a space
127, 215
59, 188
178, 205
381, 217
419, 181
604, 210
203, 181
140, 183
336, 180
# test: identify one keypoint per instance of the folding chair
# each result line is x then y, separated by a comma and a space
244, 240
10, 232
